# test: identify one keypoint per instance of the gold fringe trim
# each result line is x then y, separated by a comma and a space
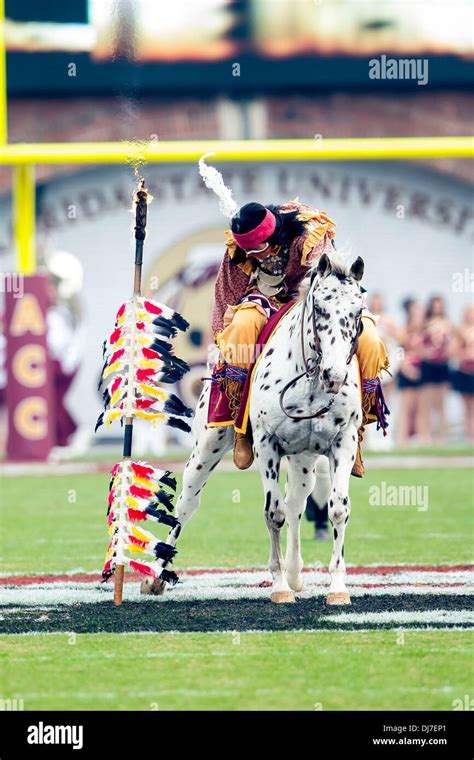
233, 390
368, 404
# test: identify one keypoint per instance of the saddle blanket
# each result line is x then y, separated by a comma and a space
219, 413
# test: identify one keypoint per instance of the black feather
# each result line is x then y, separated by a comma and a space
173, 370
162, 346
170, 577
107, 575
174, 405
168, 480
165, 327
176, 422
162, 517
163, 497
101, 377
100, 421
180, 322
164, 551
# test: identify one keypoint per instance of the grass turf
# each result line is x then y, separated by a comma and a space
112, 453
383, 670
58, 523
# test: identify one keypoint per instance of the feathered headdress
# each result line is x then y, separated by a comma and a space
214, 181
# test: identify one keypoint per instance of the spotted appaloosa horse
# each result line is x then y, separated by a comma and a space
305, 403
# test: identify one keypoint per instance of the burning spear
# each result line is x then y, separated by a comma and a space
138, 360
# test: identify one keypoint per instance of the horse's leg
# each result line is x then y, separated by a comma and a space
341, 459
301, 477
268, 461
208, 450
210, 445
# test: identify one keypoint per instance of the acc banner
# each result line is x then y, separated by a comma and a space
29, 389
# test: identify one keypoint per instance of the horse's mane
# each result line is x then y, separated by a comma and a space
340, 263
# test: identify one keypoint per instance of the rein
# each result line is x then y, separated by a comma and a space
310, 372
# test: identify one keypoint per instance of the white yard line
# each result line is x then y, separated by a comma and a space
422, 616
242, 585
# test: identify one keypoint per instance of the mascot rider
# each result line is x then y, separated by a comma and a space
269, 251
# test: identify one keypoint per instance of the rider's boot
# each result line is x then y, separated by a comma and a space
358, 469
243, 451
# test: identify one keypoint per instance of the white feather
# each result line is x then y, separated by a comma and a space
214, 181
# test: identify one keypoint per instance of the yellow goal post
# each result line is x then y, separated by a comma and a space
23, 157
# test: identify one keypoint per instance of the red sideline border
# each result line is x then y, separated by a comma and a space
27, 580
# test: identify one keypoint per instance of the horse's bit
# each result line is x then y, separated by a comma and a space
309, 371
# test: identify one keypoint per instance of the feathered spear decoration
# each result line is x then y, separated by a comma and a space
138, 359
137, 492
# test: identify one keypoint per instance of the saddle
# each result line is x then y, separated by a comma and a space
226, 405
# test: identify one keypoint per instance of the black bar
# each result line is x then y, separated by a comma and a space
127, 440
445, 734
139, 253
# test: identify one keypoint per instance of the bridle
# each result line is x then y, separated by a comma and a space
311, 371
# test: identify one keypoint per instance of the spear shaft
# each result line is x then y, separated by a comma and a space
140, 199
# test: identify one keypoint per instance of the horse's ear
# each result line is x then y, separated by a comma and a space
324, 265
357, 269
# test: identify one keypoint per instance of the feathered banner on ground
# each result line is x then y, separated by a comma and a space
138, 359
138, 492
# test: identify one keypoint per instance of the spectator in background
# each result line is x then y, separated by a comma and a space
438, 336
409, 374
463, 378
65, 339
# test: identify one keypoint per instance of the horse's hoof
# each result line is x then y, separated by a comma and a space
283, 597
156, 587
297, 586
338, 598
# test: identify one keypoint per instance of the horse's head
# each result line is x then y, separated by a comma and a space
337, 307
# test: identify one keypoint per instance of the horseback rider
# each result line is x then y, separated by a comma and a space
269, 251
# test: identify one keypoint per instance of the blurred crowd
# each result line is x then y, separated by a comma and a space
430, 356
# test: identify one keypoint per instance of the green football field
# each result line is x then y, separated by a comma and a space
376, 670
57, 524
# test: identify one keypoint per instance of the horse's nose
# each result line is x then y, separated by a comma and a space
332, 380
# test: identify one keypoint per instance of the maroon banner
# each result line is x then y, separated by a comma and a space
29, 388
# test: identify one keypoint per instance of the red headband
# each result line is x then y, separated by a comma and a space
261, 233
